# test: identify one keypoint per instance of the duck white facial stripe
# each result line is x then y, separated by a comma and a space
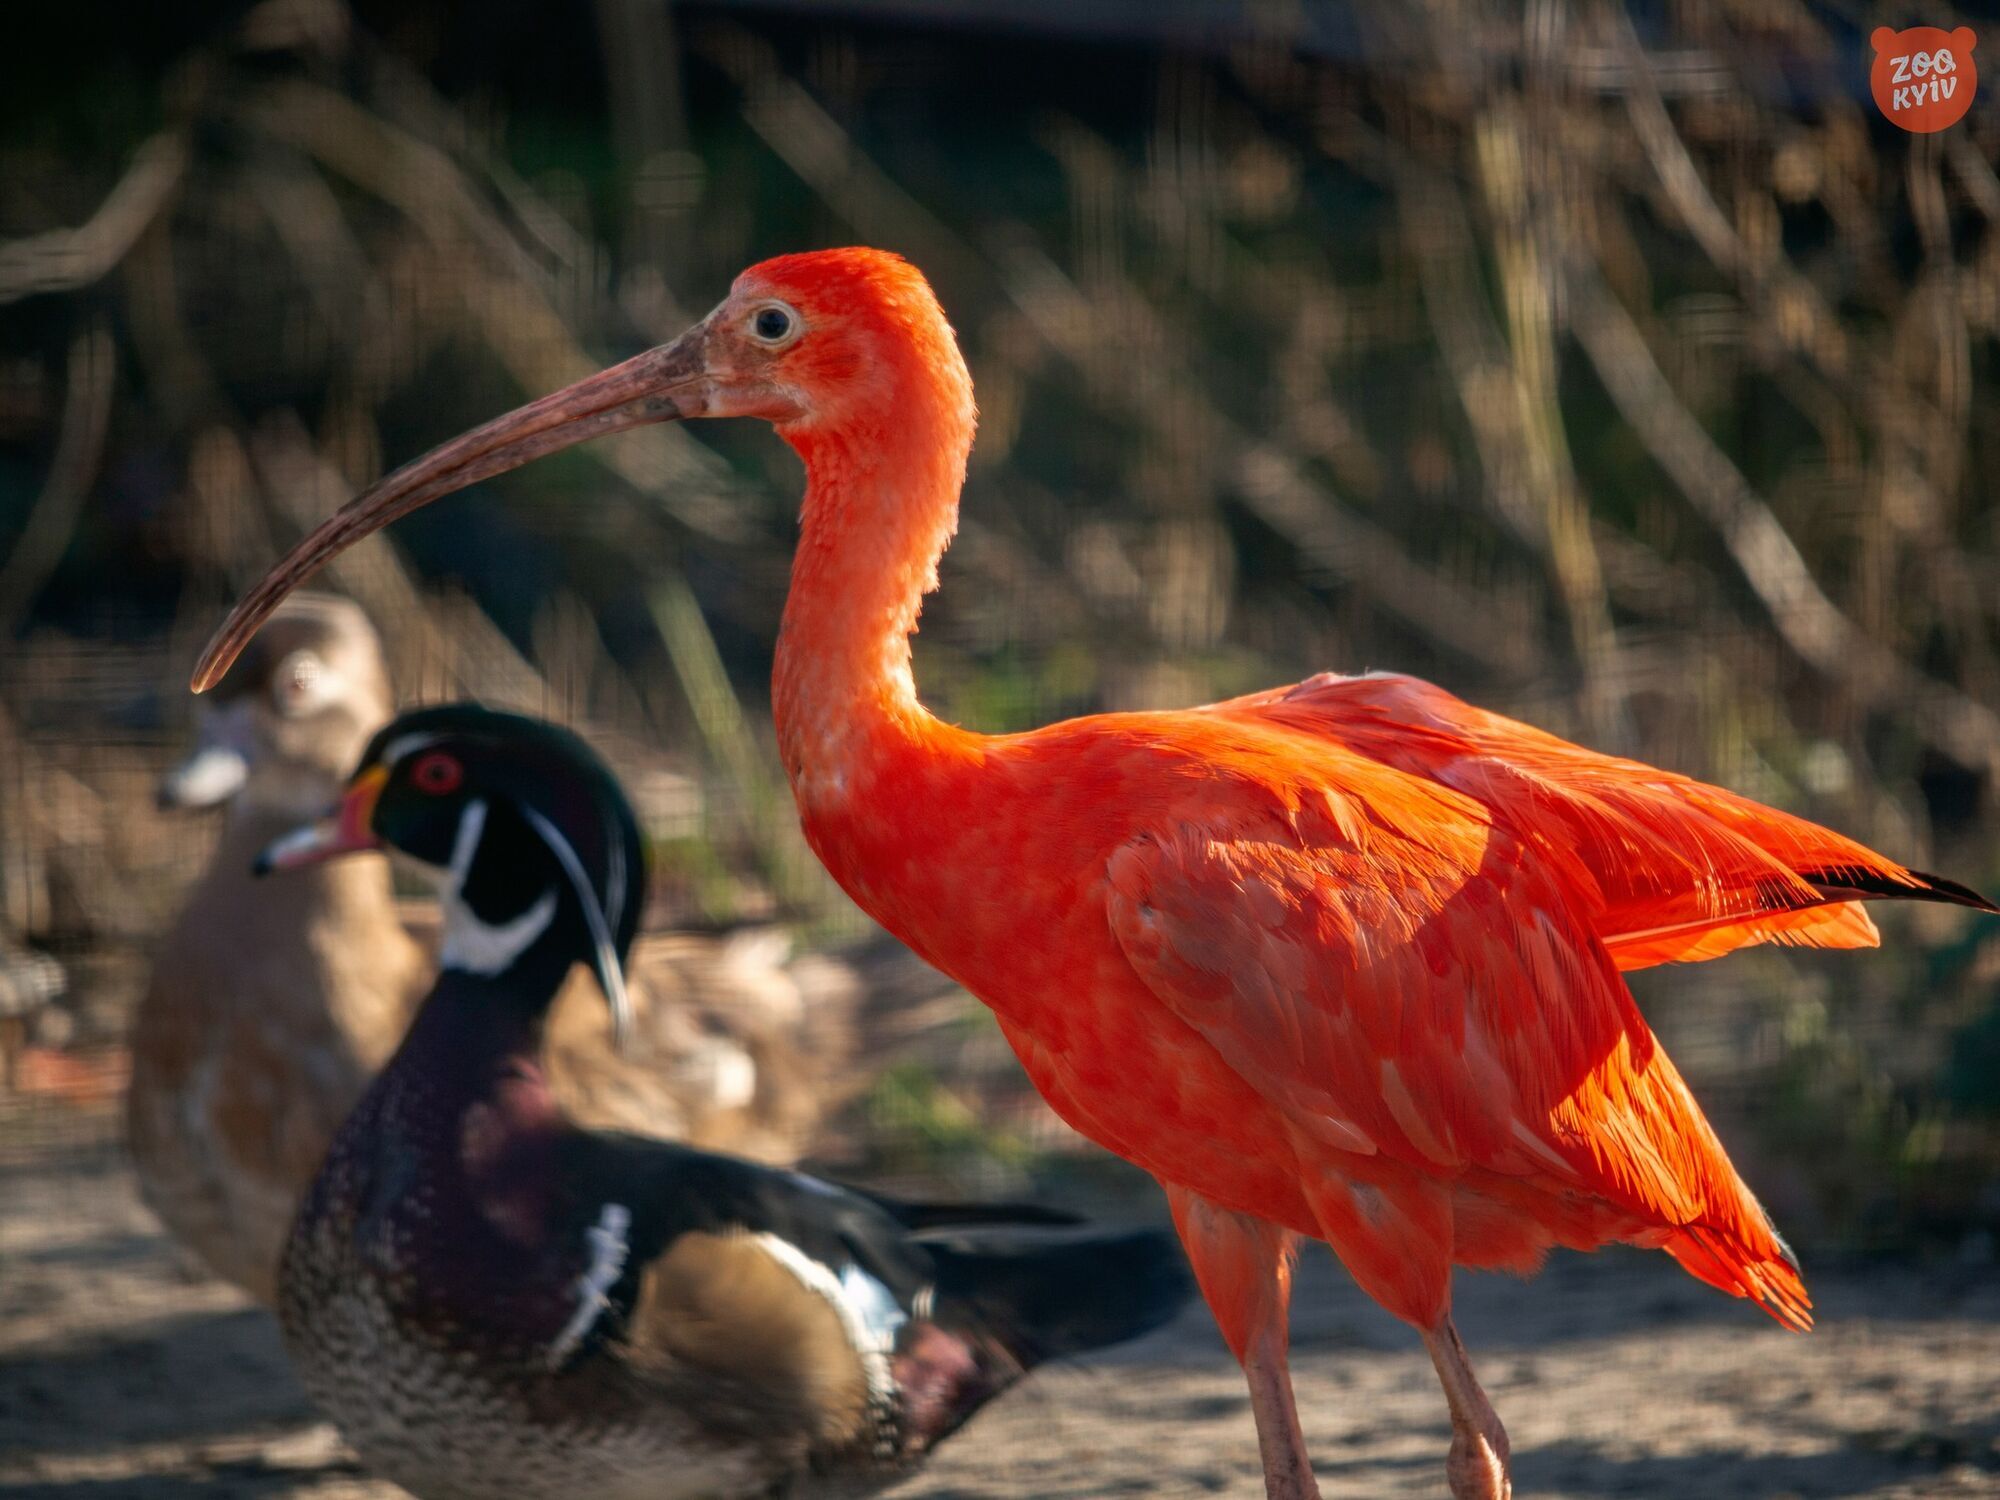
477, 947
609, 970
867, 1309
402, 745
470, 945
465, 846
608, 1250
614, 898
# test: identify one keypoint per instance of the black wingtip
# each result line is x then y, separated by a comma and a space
1854, 884
1010, 1299
931, 1216
1941, 889
1047, 1296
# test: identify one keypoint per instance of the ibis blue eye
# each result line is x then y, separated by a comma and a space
772, 324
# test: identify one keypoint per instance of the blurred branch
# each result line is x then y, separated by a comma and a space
1505, 387
1810, 623
306, 217
480, 659
24, 889
1699, 213
513, 314
1975, 174
648, 108
1512, 159
812, 143
62, 260
735, 752
79, 449
1928, 415
642, 69
1339, 542
1803, 313
1150, 390
173, 372
1437, 235
571, 654
1273, 483
476, 656
717, 711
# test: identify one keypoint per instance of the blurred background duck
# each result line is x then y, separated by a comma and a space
272, 1003
491, 1300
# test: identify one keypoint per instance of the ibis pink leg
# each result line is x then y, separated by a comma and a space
1244, 1267
1477, 1467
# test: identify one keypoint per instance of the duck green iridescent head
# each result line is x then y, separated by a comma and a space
522, 829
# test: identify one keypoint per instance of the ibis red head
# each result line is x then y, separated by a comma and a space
804, 341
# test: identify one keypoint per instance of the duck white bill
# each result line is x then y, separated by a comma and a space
326, 839
207, 778
348, 829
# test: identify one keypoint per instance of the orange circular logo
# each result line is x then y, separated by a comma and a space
1923, 78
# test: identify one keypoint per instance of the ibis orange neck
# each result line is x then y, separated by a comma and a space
881, 504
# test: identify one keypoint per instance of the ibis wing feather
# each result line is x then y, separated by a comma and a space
1664, 868
1417, 975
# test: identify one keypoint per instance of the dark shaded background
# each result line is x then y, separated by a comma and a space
1619, 368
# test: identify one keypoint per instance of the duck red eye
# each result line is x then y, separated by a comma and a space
437, 774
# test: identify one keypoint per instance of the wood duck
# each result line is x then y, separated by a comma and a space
273, 1003
491, 1300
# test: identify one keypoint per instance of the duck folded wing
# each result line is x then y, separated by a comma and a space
795, 1313
1409, 984
764, 1302
669, 1191
1665, 868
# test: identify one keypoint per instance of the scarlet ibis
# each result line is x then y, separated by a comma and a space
1340, 960
491, 1300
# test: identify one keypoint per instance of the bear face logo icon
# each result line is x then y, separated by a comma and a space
1923, 78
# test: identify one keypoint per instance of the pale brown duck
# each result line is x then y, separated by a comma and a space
274, 1002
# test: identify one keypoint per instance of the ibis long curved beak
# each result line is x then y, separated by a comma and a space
348, 829
660, 385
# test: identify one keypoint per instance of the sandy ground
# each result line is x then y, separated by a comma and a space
124, 1377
